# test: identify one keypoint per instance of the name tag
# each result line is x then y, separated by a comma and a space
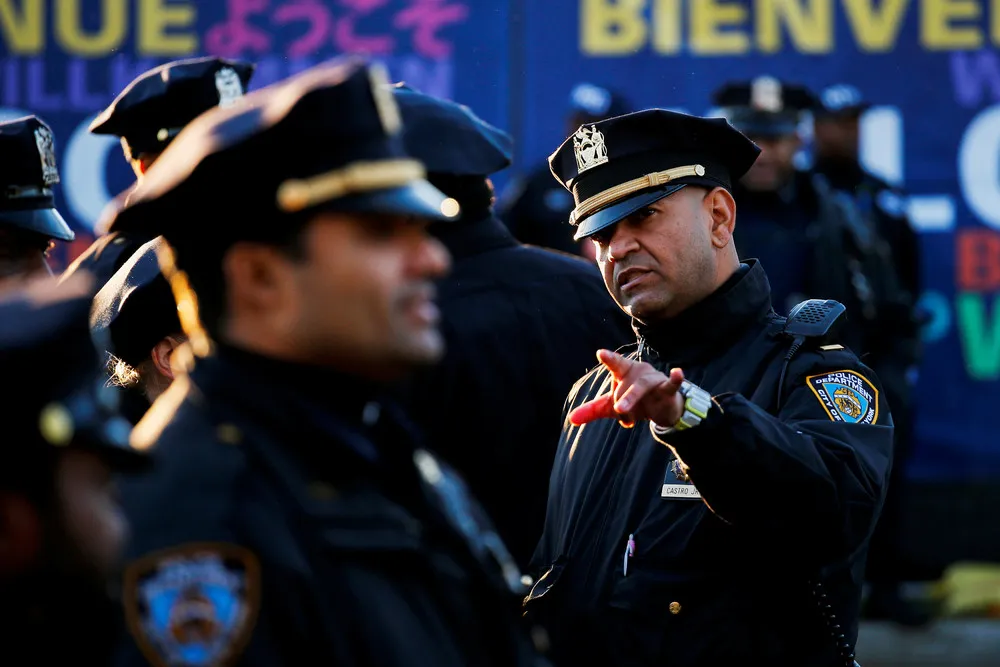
680, 491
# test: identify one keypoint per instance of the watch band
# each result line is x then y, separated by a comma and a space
697, 403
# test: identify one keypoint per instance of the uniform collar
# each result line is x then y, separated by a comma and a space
464, 239
311, 402
714, 323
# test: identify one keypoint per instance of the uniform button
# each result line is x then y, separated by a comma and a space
229, 434
527, 581
118, 240
675, 608
540, 638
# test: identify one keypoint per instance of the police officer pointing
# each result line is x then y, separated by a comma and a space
715, 487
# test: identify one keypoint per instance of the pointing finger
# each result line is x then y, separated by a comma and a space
599, 408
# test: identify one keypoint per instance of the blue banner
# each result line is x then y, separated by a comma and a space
930, 68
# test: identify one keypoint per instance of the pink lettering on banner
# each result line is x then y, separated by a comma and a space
426, 18
348, 40
318, 23
237, 36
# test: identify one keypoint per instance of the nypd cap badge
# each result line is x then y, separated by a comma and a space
230, 88
847, 396
589, 148
193, 605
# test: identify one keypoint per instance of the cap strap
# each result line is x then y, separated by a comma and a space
622, 190
296, 195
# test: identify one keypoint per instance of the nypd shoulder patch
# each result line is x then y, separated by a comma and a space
847, 396
193, 605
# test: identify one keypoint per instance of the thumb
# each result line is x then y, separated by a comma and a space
602, 407
614, 362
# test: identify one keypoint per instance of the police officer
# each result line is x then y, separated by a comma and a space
61, 529
518, 321
137, 310
714, 487
147, 116
895, 352
534, 209
29, 221
295, 519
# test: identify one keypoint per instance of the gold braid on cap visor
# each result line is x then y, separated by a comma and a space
296, 195
623, 190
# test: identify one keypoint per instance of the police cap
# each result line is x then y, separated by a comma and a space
136, 306
619, 165
326, 139
156, 106
449, 138
764, 106
841, 101
59, 396
27, 173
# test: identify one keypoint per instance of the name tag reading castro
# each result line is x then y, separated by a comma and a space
680, 491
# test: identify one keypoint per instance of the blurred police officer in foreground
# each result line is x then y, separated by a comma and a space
147, 116
29, 221
519, 322
61, 529
294, 519
534, 208
896, 352
137, 310
714, 488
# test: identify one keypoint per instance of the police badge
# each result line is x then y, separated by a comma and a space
589, 148
846, 396
227, 82
45, 143
193, 605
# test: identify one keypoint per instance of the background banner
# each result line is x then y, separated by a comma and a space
930, 67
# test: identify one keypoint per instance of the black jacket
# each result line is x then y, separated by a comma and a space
291, 519
521, 325
789, 496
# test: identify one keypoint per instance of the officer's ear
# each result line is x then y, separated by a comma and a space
20, 534
722, 210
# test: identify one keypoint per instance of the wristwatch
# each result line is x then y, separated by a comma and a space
697, 403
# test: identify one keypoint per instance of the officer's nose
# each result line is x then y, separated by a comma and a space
431, 258
621, 243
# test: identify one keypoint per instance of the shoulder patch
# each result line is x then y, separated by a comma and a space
193, 605
847, 396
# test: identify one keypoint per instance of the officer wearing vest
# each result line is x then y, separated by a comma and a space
29, 221
715, 486
295, 518
147, 116
518, 321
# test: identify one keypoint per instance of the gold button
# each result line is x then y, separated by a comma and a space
229, 434
675, 608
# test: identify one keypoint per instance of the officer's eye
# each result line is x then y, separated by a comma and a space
646, 212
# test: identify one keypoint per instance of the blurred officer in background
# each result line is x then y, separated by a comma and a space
146, 116
895, 352
294, 518
534, 208
714, 490
61, 530
29, 221
137, 310
813, 239
519, 322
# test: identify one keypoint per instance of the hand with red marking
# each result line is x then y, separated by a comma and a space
638, 391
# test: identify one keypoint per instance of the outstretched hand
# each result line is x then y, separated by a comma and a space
638, 391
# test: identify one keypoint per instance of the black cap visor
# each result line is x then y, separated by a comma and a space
621, 210
44, 221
